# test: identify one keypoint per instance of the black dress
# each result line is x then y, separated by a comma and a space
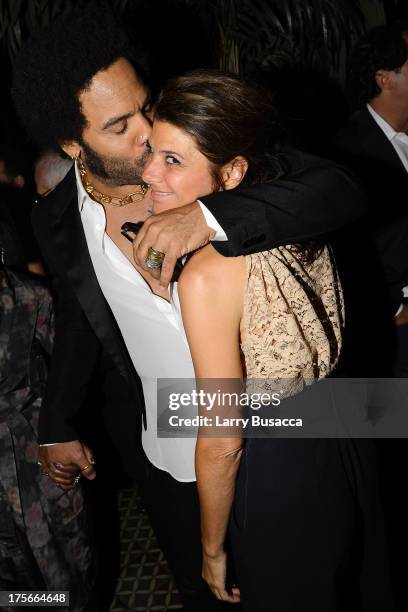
307, 529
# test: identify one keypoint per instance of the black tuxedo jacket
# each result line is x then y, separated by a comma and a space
318, 197
364, 148
87, 338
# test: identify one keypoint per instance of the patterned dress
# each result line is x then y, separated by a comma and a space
44, 535
293, 320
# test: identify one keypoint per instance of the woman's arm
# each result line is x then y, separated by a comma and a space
211, 294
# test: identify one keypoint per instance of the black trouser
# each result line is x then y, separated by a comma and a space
174, 510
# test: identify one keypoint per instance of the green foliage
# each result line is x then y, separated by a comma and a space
20, 18
313, 32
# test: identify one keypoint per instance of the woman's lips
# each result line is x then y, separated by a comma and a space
158, 195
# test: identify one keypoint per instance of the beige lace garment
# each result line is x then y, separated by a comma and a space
291, 330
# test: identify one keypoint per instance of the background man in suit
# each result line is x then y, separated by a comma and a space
375, 145
49, 170
75, 88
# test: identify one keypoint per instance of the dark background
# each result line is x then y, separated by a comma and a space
299, 47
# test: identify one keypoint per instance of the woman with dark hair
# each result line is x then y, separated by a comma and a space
276, 315
12, 252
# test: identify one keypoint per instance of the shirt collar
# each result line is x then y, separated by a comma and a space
82, 194
386, 127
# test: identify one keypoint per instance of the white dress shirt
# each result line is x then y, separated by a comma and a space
152, 329
212, 222
399, 141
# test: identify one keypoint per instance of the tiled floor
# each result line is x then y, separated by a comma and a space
145, 584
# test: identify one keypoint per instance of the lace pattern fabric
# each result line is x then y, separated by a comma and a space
291, 331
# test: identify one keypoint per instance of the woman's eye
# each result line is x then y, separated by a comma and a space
171, 160
123, 130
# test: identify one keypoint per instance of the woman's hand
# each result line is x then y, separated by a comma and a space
64, 462
215, 574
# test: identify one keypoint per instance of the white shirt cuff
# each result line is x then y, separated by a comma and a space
405, 294
51, 444
213, 223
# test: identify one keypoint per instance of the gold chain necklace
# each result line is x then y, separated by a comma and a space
104, 199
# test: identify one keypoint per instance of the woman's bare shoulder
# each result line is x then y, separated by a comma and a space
208, 266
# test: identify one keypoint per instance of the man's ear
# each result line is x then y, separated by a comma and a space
72, 149
233, 172
384, 79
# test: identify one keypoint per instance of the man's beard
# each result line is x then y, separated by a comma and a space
115, 172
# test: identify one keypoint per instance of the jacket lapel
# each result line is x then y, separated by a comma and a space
74, 261
377, 145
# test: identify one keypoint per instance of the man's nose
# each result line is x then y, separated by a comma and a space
144, 134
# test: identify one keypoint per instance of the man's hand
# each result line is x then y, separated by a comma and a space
215, 574
66, 461
175, 233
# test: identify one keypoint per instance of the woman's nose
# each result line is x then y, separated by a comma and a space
151, 173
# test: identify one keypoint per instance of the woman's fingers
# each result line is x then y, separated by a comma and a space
62, 482
66, 463
61, 477
223, 595
214, 573
66, 487
64, 476
70, 469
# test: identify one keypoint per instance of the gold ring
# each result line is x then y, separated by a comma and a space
154, 259
153, 265
43, 469
155, 255
86, 468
